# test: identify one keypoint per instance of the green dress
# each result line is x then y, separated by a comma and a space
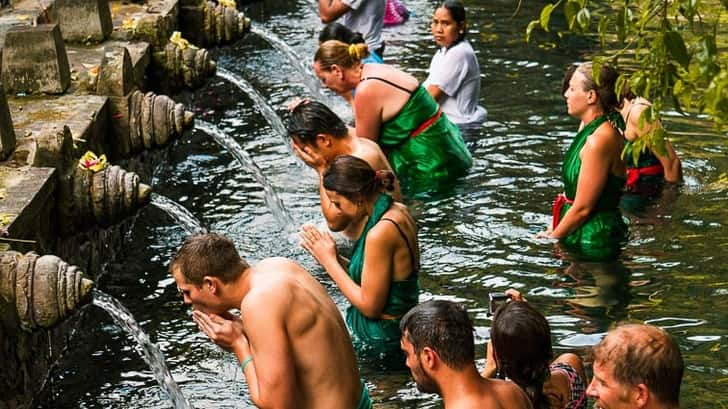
432, 158
380, 335
601, 235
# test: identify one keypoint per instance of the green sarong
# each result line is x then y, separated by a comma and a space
432, 158
601, 235
365, 402
381, 336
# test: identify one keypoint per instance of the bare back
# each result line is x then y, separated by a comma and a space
372, 154
282, 294
494, 394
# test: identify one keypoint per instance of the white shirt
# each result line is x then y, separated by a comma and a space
457, 73
366, 17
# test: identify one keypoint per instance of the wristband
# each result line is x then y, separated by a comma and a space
245, 362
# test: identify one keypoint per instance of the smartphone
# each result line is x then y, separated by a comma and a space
496, 300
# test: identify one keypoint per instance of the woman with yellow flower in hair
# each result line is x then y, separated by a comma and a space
425, 149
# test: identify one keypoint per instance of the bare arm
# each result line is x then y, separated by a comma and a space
330, 10
595, 168
368, 112
670, 162
270, 376
371, 296
437, 93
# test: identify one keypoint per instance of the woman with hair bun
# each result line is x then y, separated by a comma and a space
586, 216
380, 280
425, 149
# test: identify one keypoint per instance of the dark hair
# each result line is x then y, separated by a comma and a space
337, 31
310, 118
335, 52
522, 341
626, 93
443, 326
644, 354
608, 100
567, 78
457, 11
354, 179
208, 254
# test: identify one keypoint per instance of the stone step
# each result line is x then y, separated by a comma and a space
86, 60
153, 22
86, 116
27, 206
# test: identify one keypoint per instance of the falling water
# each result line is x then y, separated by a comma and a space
148, 350
266, 110
176, 211
309, 80
272, 200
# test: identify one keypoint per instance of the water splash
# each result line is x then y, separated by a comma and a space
266, 110
272, 200
146, 348
309, 80
176, 211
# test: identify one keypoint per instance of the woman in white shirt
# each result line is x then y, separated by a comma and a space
454, 79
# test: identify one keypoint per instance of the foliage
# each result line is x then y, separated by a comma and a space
666, 50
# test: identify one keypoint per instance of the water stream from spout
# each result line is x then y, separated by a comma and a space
176, 211
261, 104
145, 347
309, 80
272, 200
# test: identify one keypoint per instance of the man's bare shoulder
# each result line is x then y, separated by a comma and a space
273, 264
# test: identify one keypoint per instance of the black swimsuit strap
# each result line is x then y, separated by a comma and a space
389, 82
415, 267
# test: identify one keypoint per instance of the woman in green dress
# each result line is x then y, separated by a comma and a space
426, 150
586, 216
380, 280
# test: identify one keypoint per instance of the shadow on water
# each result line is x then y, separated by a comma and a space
148, 350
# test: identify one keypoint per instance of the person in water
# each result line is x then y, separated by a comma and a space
437, 339
360, 16
653, 166
454, 79
425, 149
520, 350
380, 280
637, 366
319, 136
336, 31
586, 216
290, 339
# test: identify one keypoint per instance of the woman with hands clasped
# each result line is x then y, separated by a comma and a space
520, 350
380, 280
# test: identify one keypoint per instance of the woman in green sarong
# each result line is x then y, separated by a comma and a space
380, 280
586, 216
426, 150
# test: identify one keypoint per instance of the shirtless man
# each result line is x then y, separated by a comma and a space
290, 339
319, 137
637, 366
437, 338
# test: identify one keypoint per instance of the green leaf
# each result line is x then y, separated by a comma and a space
597, 69
619, 84
602, 30
533, 24
570, 10
546, 16
583, 18
676, 47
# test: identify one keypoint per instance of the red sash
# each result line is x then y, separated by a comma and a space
633, 174
426, 124
559, 203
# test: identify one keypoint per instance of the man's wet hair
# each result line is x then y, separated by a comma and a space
643, 354
310, 118
208, 254
443, 326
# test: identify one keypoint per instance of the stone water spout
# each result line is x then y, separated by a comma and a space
184, 63
154, 120
43, 289
223, 24
102, 197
